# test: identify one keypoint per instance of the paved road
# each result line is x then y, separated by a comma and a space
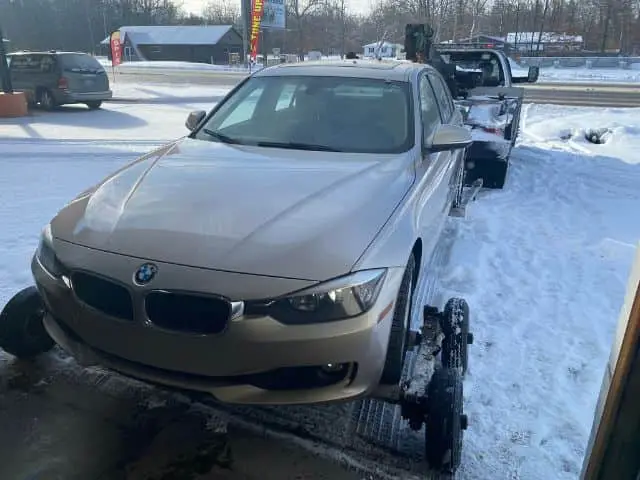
575, 94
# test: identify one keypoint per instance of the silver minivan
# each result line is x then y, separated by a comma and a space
51, 79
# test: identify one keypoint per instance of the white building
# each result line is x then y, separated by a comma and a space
384, 50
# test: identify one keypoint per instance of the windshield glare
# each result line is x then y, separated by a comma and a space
344, 114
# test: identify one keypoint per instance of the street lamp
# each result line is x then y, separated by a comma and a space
5, 77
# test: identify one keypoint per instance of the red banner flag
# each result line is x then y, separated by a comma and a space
116, 49
257, 10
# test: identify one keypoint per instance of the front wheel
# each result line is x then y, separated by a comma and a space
94, 105
22, 332
400, 326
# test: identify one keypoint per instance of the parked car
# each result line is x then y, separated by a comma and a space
51, 79
271, 256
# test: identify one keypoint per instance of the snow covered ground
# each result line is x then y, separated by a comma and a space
543, 263
166, 94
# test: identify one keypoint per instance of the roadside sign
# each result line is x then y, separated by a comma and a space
116, 49
257, 9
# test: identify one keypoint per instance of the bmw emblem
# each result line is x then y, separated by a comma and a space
145, 273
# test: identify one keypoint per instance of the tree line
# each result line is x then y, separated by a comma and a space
327, 25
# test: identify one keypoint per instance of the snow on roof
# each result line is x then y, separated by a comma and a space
174, 35
547, 37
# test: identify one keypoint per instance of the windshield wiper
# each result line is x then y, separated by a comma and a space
298, 146
221, 136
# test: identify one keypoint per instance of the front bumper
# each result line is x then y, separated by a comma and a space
231, 365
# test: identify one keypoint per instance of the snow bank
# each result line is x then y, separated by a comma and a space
172, 65
176, 92
566, 127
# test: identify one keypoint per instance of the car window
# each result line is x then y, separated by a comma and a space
346, 114
485, 62
80, 63
25, 63
286, 98
244, 110
428, 108
47, 64
443, 97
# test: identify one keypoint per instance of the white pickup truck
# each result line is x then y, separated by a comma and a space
491, 107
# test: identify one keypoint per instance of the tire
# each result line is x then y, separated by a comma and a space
94, 105
22, 333
46, 100
444, 423
401, 323
455, 347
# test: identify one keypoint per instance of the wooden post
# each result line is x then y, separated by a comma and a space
5, 75
613, 452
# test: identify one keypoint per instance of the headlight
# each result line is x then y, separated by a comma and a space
337, 299
46, 256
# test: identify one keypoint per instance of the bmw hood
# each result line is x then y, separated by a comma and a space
275, 212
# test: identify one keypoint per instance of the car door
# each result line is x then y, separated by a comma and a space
432, 169
450, 115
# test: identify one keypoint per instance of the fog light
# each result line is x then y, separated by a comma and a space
333, 367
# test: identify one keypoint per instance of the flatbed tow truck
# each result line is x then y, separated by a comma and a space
482, 85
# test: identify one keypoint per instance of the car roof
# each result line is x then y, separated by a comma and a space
394, 70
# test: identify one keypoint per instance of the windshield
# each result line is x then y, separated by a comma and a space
341, 114
77, 62
487, 63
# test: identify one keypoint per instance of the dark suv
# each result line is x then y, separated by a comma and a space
54, 78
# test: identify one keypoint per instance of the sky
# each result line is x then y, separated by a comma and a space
354, 6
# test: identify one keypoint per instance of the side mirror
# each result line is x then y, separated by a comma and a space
534, 72
450, 137
194, 119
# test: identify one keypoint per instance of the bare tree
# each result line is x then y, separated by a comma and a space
221, 12
300, 10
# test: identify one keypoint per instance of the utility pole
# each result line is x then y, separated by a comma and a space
245, 14
344, 27
5, 77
